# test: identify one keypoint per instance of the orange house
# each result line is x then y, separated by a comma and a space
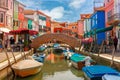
21, 15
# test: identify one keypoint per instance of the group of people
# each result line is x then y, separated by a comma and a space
9, 43
112, 41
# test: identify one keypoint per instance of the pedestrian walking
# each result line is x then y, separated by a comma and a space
1, 46
12, 42
110, 41
115, 42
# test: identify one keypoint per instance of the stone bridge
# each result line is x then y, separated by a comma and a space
46, 38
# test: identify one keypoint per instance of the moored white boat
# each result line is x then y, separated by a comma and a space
111, 77
27, 67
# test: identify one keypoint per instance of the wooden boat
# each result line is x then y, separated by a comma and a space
39, 58
27, 67
111, 77
77, 61
97, 71
42, 48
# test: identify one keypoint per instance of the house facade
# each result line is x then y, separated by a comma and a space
80, 28
98, 22
21, 15
112, 12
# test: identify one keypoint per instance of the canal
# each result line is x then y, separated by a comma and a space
59, 69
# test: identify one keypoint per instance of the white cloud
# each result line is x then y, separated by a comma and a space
31, 3
55, 13
76, 3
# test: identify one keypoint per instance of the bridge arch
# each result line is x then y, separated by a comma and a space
73, 42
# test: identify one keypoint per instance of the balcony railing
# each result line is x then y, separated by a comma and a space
114, 19
4, 4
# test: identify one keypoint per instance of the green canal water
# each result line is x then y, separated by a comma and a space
60, 69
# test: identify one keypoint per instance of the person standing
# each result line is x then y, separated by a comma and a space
115, 40
12, 42
1, 46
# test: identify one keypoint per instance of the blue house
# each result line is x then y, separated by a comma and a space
98, 22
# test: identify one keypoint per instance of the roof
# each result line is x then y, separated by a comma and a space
40, 12
99, 9
83, 16
29, 12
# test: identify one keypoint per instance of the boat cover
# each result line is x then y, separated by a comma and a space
111, 77
26, 64
77, 58
98, 71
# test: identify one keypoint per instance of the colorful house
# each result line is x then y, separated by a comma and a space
21, 15
44, 22
112, 15
97, 24
56, 27
86, 23
3, 10
80, 28
15, 15
9, 15
32, 19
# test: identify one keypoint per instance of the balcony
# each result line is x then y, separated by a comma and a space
114, 19
4, 4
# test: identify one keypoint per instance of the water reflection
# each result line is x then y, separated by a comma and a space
59, 70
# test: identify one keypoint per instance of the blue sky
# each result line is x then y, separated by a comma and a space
61, 10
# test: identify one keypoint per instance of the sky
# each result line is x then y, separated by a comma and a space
61, 10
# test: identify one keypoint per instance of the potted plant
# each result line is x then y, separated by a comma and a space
26, 45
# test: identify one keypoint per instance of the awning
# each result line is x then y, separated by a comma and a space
23, 31
6, 30
104, 29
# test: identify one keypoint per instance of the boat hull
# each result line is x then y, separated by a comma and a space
27, 72
94, 78
27, 67
78, 65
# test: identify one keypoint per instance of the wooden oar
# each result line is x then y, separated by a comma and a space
101, 48
113, 54
7, 58
9, 63
14, 57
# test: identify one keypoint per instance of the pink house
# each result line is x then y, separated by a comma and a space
3, 10
6, 15
80, 28
9, 15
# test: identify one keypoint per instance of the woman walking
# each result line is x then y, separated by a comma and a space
115, 42
1, 46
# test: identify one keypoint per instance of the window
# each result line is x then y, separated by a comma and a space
1, 17
73, 27
15, 23
6, 3
109, 14
7, 20
11, 5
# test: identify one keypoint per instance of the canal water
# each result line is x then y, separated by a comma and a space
59, 69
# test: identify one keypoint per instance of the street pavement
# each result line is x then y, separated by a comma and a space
3, 55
